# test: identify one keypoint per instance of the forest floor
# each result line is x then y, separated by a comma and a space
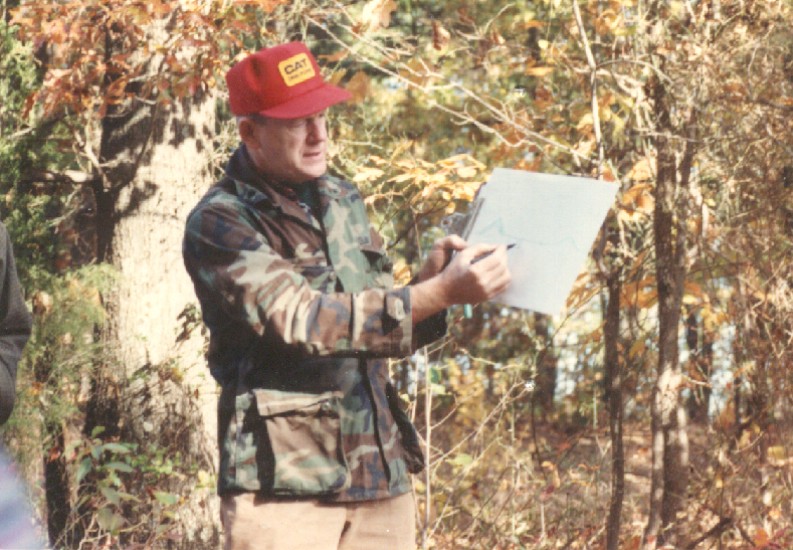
736, 498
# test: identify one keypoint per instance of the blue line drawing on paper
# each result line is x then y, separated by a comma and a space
495, 232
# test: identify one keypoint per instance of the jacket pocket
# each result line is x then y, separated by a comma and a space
304, 431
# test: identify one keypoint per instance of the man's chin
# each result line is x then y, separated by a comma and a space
313, 172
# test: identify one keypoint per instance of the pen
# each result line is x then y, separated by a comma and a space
486, 254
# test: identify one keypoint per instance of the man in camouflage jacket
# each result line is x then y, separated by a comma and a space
298, 295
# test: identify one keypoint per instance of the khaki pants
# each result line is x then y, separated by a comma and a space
255, 523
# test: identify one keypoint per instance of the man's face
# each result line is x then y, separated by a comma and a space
291, 150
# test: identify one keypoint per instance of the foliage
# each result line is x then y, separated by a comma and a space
127, 490
84, 76
49, 219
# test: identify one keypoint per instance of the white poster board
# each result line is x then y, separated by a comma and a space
552, 220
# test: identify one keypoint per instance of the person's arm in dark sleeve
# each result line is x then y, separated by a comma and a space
15, 325
231, 262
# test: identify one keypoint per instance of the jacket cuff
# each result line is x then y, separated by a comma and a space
399, 320
430, 329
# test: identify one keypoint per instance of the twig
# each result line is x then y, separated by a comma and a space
498, 113
715, 531
590, 58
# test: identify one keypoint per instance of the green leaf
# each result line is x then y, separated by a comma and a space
120, 467
82, 470
109, 520
113, 496
117, 448
168, 499
461, 460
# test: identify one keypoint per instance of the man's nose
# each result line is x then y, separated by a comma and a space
316, 129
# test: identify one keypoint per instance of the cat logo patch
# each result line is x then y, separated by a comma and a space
296, 69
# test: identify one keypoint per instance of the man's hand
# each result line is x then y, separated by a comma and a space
475, 274
440, 255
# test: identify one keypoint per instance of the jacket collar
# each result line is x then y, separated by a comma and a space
253, 188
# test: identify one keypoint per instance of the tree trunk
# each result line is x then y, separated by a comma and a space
616, 408
157, 167
700, 368
669, 481
546, 364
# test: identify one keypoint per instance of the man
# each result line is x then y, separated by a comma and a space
16, 518
298, 295
15, 325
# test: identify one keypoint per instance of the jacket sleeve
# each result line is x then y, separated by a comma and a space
15, 325
237, 272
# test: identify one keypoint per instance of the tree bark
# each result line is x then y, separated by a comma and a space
155, 168
700, 347
669, 478
547, 364
616, 407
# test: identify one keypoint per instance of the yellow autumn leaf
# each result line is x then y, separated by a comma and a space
586, 120
636, 203
539, 71
377, 14
402, 274
608, 21
693, 293
466, 190
642, 294
415, 71
585, 147
632, 196
401, 147
643, 170
637, 349
466, 172
367, 174
777, 455
645, 299
402, 178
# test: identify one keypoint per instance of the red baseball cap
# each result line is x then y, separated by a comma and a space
281, 82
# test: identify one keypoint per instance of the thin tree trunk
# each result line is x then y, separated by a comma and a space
546, 364
669, 478
616, 408
56, 489
701, 368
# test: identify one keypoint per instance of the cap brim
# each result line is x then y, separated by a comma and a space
309, 103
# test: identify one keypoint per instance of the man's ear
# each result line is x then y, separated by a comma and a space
246, 129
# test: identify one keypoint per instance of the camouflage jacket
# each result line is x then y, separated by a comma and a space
301, 312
